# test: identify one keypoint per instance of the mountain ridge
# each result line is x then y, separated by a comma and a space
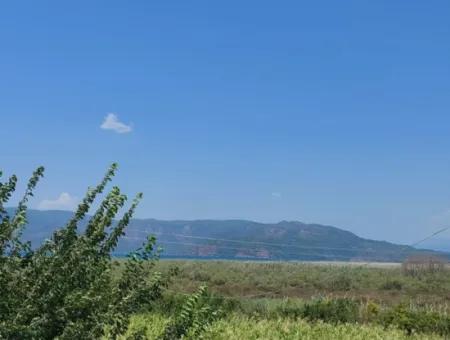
238, 239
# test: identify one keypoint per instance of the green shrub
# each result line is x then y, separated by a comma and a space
65, 288
341, 282
290, 309
372, 310
331, 310
392, 285
196, 314
416, 321
201, 276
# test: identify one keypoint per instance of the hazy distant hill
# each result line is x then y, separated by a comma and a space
239, 239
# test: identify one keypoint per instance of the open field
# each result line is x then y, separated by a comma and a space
278, 280
291, 300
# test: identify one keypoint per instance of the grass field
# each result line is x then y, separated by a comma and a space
275, 280
275, 300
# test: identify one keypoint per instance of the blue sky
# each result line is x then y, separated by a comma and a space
329, 112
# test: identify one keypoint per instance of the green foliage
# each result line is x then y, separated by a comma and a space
416, 321
392, 285
372, 310
236, 326
65, 288
331, 310
196, 314
341, 282
305, 280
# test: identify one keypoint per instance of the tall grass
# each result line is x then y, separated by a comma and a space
299, 280
272, 300
238, 327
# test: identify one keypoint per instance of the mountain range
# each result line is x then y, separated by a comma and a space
238, 239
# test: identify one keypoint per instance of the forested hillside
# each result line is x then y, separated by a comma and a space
238, 239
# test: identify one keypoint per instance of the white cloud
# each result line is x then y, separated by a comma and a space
113, 123
276, 195
63, 202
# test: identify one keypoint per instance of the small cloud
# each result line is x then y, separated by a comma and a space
276, 195
113, 123
63, 202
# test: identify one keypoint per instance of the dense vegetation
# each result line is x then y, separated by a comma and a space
238, 327
383, 283
65, 289
334, 300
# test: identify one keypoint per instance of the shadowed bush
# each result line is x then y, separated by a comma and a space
416, 321
331, 310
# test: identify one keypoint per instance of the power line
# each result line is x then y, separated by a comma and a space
430, 236
254, 242
284, 245
413, 245
254, 249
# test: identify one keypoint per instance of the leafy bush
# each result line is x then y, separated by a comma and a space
392, 285
372, 310
416, 321
65, 288
195, 316
331, 310
290, 309
340, 282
